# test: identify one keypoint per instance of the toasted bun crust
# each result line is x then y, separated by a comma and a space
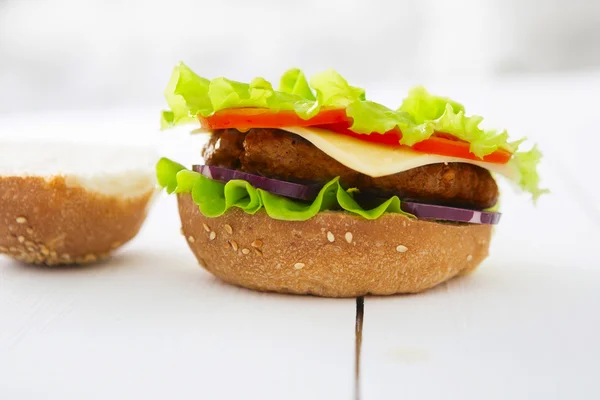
46, 221
333, 254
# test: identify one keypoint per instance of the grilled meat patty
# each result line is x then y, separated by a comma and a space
282, 155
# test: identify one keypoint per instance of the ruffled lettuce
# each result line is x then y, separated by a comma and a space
482, 142
527, 162
189, 95
294, 82
423, 106
215, 198
419, 116
334, 91
186, 95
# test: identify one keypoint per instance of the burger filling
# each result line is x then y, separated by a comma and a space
285, 156
319, 144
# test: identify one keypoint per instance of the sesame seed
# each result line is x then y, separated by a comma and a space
330, 237
258, 252
89, 258
233, 245
401, 248
348, 237
257, 243
212, 235
404, 223
21, 239
21, 220
44, 250
191, 239
181, 230
3, 249
299, 265
29, 231
228, 229
245, 251
469, 257
206, 227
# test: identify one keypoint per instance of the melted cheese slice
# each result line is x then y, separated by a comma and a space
379, 160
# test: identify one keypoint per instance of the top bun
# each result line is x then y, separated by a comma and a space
65, 203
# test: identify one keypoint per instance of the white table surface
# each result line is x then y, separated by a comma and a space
151, 324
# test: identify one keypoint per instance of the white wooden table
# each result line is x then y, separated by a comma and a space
151, 324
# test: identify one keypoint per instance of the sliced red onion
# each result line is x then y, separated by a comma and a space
431, 211
282, 188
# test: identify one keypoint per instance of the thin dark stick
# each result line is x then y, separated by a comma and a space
360, 310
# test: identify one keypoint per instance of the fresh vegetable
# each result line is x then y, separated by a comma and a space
282, 188
431, 211
527, 162
246, 118
215, 198
294, 82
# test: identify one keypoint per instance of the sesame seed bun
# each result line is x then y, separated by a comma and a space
76, 206
47, 222
334, 254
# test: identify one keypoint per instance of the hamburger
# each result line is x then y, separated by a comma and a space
313, 189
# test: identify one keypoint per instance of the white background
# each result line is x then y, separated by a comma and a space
66, 54
151, 324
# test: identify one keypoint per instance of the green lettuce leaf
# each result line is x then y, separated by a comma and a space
187, 95
166, 173
369, 116
334, 91
294, 82
482, 142
224, 93
215, 198
527, 163
423, 106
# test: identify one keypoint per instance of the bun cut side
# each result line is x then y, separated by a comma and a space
334, 254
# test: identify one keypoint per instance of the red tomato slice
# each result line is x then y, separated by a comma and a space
440, 143
458, 148
246, 118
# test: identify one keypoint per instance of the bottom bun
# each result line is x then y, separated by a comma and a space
45, 221
334, 254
